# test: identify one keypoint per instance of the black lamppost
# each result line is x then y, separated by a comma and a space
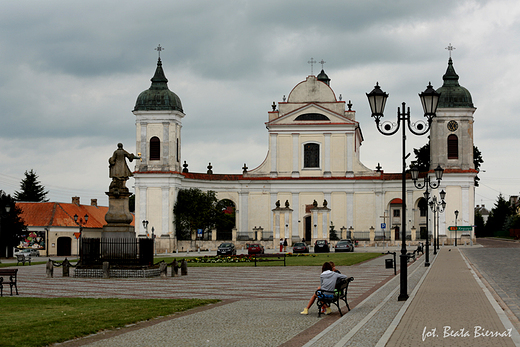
427, 184
437, 207
377, 100
81, 223
456, 217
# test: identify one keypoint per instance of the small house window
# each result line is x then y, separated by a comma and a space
453, 147
155, 148
397, 213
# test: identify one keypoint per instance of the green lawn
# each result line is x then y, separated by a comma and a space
40, 322
340, 259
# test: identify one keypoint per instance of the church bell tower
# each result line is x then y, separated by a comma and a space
451, 136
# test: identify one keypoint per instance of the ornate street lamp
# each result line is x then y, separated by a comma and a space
81, 223
377, 100
437, 207
427, 184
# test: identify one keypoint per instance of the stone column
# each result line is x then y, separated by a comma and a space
414, 234
343, 233
372, 234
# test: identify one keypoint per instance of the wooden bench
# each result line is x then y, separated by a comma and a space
339, 294
21, 258
270, 257
6, 274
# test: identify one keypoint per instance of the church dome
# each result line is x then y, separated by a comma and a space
452, 93
323, 77
158, 97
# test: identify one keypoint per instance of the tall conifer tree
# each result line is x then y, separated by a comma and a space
31, 189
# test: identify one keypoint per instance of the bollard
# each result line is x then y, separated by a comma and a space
184, 267
66, 266
199, 250
50, 268
175, 268
106, 269
163, 268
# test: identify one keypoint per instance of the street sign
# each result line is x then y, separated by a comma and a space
77, 235
383, 225
461, 228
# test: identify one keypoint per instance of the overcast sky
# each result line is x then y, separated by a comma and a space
70, 72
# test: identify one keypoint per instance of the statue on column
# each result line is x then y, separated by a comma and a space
118, 169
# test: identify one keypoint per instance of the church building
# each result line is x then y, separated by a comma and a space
312, 177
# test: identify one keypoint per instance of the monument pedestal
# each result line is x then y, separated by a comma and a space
118, 228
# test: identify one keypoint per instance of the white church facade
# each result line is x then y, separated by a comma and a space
312, 177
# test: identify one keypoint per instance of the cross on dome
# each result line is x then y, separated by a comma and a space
312, 62
450, 48
159, 49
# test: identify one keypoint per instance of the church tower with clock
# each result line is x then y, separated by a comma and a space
451, 147
451, 138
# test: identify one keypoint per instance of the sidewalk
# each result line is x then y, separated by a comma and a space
453, 308
447, 294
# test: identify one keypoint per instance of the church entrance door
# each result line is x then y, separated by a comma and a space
396, 230
308, 230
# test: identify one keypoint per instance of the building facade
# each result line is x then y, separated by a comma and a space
312, 177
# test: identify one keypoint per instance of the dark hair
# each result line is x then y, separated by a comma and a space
326, 266
332, 264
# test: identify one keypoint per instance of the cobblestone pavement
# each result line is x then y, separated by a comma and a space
261, 304
498, 262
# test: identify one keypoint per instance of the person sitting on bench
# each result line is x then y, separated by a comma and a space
328, 280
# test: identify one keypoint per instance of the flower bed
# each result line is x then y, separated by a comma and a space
244, 258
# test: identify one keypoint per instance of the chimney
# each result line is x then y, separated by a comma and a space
93, 202
75, 200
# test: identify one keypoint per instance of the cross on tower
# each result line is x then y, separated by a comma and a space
450, 48
322, 62
312, 62
159, 49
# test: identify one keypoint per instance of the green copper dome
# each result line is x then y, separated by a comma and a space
323, 77
158, 97
452, 93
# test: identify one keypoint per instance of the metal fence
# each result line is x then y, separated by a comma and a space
361, 235
267, 235
95, 251
382, 235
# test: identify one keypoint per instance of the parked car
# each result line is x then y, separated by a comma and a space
300, 247
344, 246
321, 246
27, 252
226, 248
255, 248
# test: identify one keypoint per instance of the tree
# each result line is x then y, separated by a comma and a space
498, 217
194, 210
31, 189
12, 228
422, 159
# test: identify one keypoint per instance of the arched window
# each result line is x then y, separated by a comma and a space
453, 147
311, 155
155, 148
